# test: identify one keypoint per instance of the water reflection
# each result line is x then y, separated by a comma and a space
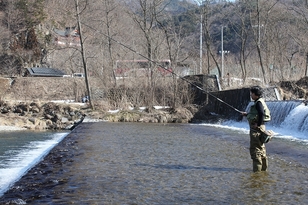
184, 167
258, 180
131, 163
259, 188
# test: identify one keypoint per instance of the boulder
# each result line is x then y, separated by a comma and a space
35, 117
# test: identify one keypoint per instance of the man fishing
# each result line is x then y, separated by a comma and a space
257, 116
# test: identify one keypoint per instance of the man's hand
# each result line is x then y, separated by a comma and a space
244, 113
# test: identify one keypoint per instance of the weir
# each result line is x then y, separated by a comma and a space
292, 115
238, 98
280, 110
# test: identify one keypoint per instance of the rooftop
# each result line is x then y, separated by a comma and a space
47, 72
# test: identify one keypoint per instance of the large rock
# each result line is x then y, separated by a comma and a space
35, 117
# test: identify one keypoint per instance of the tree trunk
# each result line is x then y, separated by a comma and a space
83, 54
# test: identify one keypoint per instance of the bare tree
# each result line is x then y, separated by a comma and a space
209, 24
173, 40
298, 30
144, 15
109, 20
258, 20
239, 26
82, 47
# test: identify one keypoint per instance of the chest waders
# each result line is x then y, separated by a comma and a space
257, 148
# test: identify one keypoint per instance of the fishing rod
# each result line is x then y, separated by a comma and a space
170, 71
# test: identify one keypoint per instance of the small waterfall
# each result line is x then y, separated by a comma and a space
297, 119
280, 110
291, 115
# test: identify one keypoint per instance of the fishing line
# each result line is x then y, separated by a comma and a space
170, 71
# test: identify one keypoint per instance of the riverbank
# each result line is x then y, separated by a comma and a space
60, 115
66, 115
38, 115
160, 164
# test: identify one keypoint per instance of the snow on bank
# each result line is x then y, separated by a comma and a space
10, 128
140, 109
88, 119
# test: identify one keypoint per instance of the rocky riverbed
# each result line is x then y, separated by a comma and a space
61, 116
40, 116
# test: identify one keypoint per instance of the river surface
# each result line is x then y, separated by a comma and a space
136, 163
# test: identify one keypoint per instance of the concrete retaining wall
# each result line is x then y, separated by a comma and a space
237, 98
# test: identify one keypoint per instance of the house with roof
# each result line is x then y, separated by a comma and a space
44, 72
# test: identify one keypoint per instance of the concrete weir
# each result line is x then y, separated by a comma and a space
212, 109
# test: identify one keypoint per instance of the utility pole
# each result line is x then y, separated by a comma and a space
259, 27
200, 3
201, 18
222, 52
306, 70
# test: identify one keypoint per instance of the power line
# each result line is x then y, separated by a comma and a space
171, 71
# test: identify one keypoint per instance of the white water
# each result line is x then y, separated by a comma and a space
19, 161
289, 121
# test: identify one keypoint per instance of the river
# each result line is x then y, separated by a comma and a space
138, 163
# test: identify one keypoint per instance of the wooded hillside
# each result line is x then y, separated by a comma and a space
261, 39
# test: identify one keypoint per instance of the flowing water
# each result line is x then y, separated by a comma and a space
21, 150
136, 163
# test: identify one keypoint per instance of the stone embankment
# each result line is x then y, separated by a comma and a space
65, 116
40, 116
